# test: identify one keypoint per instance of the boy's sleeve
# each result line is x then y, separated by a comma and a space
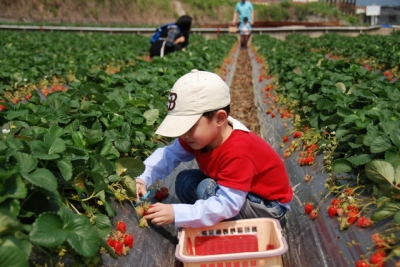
163, 161
225, 205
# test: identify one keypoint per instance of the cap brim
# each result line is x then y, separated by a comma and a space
174, 126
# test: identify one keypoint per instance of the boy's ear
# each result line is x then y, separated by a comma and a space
221, 116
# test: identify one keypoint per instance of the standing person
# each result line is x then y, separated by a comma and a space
171, 37
245, 30
240, 175
243, 9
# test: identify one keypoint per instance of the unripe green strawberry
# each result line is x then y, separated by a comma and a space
139, 211
143, 223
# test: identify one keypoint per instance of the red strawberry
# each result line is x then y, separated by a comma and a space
308, 207
387, 73
146, 210
128, 240
364, 222
313, 214
121, 226
159, 196
335, 202
349, 191
297, 134
378, 241
285, 138
352, 207
111, 242
352, 217
118, 247
332, 211
165, 191
362, 263
378, 258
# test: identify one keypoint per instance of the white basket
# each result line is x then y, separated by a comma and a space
267, 230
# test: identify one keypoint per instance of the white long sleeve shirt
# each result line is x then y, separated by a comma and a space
226, 204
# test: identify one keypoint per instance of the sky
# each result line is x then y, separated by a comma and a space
378, 2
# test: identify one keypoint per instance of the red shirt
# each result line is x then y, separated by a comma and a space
248, 163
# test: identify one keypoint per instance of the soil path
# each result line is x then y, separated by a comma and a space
242, 97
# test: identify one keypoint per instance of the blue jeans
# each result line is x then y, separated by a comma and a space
191, 185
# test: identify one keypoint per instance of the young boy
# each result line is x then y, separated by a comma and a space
239, 176
245, 30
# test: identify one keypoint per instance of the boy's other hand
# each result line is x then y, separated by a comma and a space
140, 188
160, 214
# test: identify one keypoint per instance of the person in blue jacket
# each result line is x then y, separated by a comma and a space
243, 9
171, 37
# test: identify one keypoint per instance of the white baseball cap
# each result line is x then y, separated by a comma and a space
192, 95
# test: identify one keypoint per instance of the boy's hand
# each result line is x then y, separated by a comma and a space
140, 188
160, 214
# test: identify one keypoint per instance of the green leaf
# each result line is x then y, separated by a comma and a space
14, 188
27, 162
395, 137
380, 144
79, 139
130, 185
359, 159
324, 104
47, 230
55, 145
11, 115
344, 111
102, 224
65, 167
341, 86
81, 235
397, 220
397, 176
380, 171
106, 202
129, 166
341, 166
51, 230
12, 252
386, 210
8, 223
350, 118
151, 116
42, 178
123, 144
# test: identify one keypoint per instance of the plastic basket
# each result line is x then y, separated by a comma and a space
235, 239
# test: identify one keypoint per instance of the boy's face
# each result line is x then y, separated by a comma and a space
202, 134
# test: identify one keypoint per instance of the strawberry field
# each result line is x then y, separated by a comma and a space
338, 100
77, 124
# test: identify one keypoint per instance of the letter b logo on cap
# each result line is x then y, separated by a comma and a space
172, 101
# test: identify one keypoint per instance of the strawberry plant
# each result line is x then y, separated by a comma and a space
345, 111
65, 155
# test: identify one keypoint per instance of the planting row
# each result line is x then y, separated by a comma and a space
67, 153
349, 114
